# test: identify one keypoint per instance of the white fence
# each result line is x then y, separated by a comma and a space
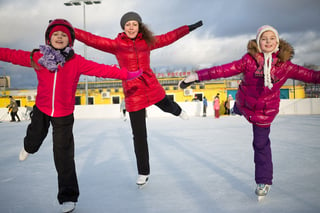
306, 106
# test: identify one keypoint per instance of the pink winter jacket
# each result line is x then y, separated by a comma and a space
135, 54
258, 103
56, 90
216, 104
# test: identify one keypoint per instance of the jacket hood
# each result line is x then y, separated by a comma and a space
286, 51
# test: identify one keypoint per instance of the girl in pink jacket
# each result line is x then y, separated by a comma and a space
58, 71
216, 106
265, 68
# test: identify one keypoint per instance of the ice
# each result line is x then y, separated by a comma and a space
198, 165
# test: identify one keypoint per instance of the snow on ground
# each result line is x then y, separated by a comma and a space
197, 166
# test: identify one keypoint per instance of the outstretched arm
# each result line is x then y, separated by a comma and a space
91, 68
302, 73
174, 35
97, 42
17, 57
222, 71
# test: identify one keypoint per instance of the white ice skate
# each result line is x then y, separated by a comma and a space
67, 207
262, 190
23, 154
142, 180
183, 115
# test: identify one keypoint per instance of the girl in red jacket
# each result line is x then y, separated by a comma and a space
132, 49
58, 70
265, 68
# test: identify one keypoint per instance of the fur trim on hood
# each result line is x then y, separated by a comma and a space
286, 51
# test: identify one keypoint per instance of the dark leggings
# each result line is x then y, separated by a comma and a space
139, 131
262, 152
63, 149
262, 155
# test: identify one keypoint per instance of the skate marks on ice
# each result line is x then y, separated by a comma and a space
208, 168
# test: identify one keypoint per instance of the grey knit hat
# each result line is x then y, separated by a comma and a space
129, 16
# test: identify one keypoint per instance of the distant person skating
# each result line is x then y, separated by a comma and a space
205, 105
29, 111
13, 110
227, 104
216, 106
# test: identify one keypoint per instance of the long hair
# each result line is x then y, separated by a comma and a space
33, 63
147, 34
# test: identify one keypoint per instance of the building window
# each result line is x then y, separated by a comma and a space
116, 100
90, 100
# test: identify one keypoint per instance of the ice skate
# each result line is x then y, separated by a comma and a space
183, 115
68, 206
262, 190
23, 155
142, 180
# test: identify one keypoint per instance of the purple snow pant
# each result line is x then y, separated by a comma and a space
262, 152
262, 155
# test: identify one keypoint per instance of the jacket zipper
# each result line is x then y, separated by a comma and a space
135, 50
54, 91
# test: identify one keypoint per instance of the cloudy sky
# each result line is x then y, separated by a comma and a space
228, 25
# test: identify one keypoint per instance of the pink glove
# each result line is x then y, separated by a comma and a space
134, 74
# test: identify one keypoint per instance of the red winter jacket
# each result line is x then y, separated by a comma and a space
256, 102
135, 54
56, 90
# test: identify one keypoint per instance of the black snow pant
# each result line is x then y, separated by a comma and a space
63, 150
139, 131
14, 115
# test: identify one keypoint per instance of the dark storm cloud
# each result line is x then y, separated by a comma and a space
228, 25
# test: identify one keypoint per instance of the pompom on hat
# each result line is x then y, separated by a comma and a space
129, 16
267, 56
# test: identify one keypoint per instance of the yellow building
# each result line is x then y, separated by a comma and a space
111, 92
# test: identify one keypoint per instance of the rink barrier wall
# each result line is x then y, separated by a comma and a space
308, 106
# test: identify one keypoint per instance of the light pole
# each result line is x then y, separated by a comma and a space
84, 3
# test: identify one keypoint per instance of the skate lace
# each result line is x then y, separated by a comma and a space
261, 186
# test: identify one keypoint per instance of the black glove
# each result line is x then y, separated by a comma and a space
195, 26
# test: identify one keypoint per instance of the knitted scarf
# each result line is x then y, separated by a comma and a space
53, 58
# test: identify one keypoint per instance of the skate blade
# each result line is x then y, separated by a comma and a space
261, 198
140, 186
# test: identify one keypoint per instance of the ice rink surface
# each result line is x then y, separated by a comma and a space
200, 165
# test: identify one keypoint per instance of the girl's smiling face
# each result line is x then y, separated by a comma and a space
59, 40
131, 29
268, 42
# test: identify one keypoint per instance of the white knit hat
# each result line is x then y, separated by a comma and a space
263, 29
267, 56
